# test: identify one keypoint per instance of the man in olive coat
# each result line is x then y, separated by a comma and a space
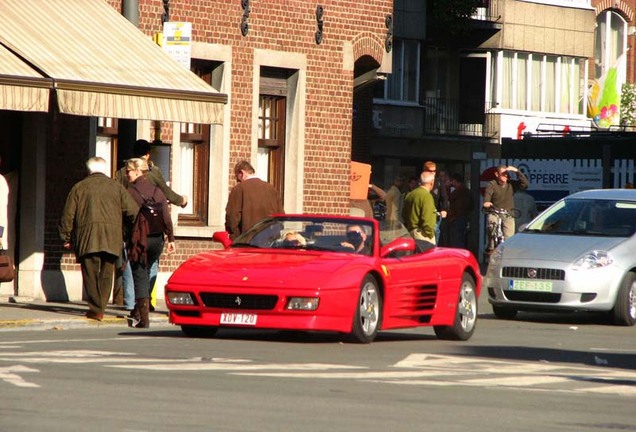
92, 225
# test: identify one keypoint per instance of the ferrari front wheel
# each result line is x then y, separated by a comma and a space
198, 331
465, 315
368, 315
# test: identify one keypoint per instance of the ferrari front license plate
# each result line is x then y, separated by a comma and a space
530, 285
238, 319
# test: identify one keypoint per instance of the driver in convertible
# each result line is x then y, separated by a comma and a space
357, 240
293, 239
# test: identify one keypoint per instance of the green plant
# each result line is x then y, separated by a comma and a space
628, 104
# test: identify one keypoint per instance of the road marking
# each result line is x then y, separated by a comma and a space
222, 366
10, 375
415, 369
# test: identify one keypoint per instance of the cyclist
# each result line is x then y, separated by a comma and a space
500, 194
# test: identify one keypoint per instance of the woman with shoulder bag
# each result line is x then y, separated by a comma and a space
146, 241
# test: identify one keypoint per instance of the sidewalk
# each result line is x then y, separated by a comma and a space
19, 314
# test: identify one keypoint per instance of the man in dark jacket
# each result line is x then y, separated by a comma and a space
251, 200
500, 194
92, 221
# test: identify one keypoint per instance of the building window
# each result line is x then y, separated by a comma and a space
106, 142
194, 157
271, 141
195, 161
538, 82
610, 39
403, 82
272, 125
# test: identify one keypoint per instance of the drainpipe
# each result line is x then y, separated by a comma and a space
127, 129
130, 10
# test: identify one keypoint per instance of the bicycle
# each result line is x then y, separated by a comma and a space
495, 229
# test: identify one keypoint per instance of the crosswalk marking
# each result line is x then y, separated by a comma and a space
415, 369
10, 375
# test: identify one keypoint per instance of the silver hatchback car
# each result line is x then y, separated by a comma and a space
578, 255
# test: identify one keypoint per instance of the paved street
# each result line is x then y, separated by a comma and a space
540, 373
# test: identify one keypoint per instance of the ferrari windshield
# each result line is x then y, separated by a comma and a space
350, 235
593, 217
313, 233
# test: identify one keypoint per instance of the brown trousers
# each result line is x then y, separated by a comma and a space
97, 273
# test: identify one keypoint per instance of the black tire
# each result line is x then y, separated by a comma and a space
465, 315
199, 331
503, 312
624, 311
368, 316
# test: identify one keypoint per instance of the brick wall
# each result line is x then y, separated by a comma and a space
279, 25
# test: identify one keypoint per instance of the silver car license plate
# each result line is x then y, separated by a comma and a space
530, 285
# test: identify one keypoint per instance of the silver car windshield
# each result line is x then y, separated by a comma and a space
592, 217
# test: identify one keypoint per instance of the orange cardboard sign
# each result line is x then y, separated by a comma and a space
360, 179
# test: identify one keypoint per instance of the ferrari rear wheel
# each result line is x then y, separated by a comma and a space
466, 314
368, 316
625, 307
198, 331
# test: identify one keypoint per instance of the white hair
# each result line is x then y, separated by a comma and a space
427, 177
97, 165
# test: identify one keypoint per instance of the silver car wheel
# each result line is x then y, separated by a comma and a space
625, 308
631, 296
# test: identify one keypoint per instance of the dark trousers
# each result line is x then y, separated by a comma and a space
141, 270
457, 231
97, 275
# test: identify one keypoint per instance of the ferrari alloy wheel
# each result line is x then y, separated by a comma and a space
625, 307
466, 314
198, 331
368, 316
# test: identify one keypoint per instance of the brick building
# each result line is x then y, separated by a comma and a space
284, 73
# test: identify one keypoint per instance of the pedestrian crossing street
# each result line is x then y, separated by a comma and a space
415, 370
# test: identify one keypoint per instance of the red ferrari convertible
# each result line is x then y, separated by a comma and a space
326, 273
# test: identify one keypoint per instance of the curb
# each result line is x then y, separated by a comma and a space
65, 324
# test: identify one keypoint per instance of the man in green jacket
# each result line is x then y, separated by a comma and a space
419, 212
92, 226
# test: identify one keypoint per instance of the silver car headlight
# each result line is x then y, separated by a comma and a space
593, 259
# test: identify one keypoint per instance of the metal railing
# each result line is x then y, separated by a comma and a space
458, 117
487, 10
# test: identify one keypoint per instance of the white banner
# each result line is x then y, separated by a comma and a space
579, 4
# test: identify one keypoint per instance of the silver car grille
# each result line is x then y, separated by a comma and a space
533, 273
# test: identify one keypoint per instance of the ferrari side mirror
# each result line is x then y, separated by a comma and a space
222, 237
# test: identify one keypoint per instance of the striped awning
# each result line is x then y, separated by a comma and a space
21, 88
98, 64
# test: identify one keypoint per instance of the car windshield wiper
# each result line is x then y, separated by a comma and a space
526, 230
589, 232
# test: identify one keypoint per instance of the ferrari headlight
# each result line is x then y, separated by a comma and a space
593, 259
302, 303
181, 298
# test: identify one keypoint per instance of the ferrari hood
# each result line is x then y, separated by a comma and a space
548, 247
238, 266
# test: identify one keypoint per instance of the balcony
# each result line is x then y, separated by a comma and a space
467, 117
436, 116
487, 10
